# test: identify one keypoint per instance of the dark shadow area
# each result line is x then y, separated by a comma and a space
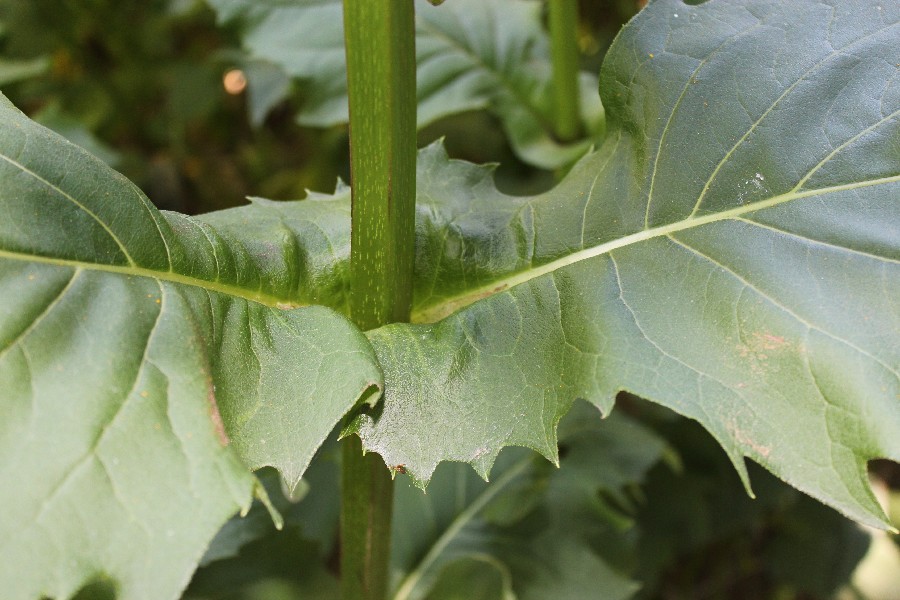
702, 536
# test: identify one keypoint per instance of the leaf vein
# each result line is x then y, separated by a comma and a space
47, 310
168, 276
104, 429
437, 311
768, 111
665, 130
778, 304
72, 199
816, 241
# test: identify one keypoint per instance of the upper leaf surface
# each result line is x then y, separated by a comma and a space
470, 54
730, 252
147, 360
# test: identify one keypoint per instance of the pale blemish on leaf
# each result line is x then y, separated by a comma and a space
743, 438
287, 305
214, 413
760, 347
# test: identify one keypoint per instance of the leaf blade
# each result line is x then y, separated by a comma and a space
148, 361
726, 260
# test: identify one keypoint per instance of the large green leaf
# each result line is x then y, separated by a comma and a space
471, 54
147, 361
730, 252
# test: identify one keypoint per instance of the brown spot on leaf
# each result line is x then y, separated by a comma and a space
758, 348
214, 413
744, 439
771, 342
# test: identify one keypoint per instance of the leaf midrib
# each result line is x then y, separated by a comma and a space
443, 309
438, 311
167, 276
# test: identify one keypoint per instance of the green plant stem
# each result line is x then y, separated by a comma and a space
564, 52
380, 43
367, 499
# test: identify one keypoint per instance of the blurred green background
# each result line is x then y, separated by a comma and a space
141, 84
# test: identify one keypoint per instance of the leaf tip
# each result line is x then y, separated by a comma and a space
740, 466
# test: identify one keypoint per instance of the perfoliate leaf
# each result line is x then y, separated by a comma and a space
732, 252
470, 54
148, 360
